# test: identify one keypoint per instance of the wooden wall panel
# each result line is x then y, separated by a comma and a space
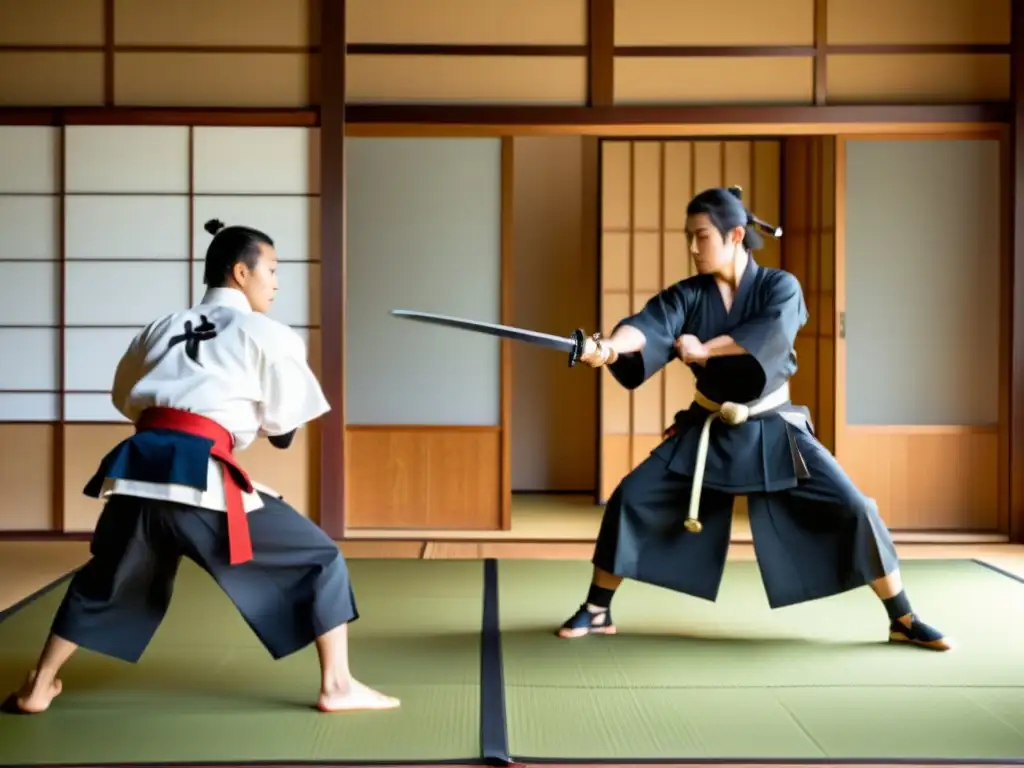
714, 80
481, 79
204, 23
646, 186
808, 251
922, 22
209, 79
924, 477
918, 78
27, 471
927, 478
32, 79
928, 75
729, 23
219, 53
423, 477
553, 426
467, 22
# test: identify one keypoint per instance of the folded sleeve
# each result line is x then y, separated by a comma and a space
292, 396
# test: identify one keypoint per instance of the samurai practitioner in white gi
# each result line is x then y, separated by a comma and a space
199, 385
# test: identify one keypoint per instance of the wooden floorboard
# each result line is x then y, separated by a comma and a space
28, 566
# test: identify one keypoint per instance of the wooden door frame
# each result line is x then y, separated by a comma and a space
1005, 521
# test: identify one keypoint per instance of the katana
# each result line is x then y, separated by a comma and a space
572, 344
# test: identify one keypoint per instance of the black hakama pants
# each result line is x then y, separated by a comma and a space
295, 588
817, 539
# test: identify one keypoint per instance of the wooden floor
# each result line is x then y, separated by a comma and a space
28, 566
569, 517
559, 527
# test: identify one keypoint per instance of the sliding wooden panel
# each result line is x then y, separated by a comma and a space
553, 426
30, 377
425, 405
136, 199
646, 186
808, 251
919, 254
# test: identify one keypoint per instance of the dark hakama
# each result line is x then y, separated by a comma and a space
294, 589
815, 534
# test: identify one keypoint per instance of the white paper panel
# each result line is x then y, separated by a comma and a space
293, 222
274, 161
127, 227
124, 293
117, 158
298, 295
29, 159
424, 232
29, 227
79, 407
30, 357
922, 282
91, 356
30, 293
34, 406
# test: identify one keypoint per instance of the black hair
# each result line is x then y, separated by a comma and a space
231, 245
726, 210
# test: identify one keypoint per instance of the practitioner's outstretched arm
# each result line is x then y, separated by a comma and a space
644, 343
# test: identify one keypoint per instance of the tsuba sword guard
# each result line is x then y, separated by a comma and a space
578, 340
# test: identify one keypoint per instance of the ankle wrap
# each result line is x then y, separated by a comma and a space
897, 605
600, 596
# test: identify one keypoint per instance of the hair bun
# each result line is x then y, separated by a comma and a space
736, 192
213, 226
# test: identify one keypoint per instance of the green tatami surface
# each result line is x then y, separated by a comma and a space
689, 679
206, 691
683, 679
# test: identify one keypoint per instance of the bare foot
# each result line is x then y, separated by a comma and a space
33, 698
353, 697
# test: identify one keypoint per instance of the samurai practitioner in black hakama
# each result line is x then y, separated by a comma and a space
668, 523
199, 385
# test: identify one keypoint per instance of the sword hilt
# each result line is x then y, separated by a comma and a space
578, 341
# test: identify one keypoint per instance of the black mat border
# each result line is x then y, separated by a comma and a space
493, 721
476, 761
998, 570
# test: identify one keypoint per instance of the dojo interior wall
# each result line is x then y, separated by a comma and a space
219, 53
101, 229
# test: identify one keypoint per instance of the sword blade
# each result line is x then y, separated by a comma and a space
571, 344
491, 329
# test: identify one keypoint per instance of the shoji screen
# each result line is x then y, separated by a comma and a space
102, 232
30, 313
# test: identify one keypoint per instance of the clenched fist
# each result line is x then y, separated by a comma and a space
597, 352
691, 350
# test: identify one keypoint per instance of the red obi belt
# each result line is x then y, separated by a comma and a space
236, 479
